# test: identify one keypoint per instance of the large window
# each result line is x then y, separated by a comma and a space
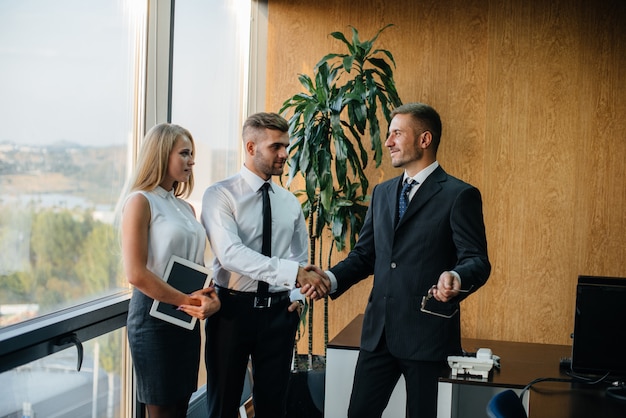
80, 82
66, 105
210, 83
68, 110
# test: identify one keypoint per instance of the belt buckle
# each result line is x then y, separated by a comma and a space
262, 301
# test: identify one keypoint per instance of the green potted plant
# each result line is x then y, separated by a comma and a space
340, 105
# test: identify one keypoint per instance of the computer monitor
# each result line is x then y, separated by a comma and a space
599, 340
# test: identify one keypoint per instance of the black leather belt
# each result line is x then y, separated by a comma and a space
255, 300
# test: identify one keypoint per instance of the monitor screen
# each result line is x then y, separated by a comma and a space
599, 341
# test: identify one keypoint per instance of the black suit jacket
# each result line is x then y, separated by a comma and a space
442, 229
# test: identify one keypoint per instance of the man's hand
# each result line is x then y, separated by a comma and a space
296, 305
446, 288
312, 283
308, 290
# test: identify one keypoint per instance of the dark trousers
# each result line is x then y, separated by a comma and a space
376, 376
238, 332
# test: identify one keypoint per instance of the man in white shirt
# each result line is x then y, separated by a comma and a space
255, 322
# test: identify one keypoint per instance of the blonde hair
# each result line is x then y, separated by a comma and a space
154, 156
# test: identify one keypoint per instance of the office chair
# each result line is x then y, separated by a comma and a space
506, 404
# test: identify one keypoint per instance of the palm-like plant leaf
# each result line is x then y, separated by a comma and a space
340, 105
329, 118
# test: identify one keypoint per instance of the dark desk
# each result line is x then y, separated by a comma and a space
521, 363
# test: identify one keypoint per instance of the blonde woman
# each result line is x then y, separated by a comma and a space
156, 222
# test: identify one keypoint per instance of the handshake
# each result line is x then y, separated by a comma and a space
313, 282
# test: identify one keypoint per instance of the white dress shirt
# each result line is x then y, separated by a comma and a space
420, 178
232, 214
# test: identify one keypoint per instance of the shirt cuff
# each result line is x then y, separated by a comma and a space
333, 281
296, 295
287, 273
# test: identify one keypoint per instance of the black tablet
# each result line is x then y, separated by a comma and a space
187, 277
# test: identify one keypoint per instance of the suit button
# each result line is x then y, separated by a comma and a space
393, 265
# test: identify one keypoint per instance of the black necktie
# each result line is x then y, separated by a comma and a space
403, 203
266, 249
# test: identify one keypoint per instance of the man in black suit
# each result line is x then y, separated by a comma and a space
435, 252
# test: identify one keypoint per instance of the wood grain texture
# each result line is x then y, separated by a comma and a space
532, 98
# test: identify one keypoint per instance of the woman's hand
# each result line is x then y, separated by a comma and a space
204, 303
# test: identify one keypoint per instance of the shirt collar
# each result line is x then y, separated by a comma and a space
423, 174
160, 191
255, 182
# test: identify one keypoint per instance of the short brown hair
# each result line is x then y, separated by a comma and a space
264, 120
425, 115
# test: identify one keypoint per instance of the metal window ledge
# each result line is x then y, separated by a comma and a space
39, 337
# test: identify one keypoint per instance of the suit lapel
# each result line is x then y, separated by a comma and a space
393, 192
426, 191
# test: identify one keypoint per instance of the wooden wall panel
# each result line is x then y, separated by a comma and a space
531, 94
535, 125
